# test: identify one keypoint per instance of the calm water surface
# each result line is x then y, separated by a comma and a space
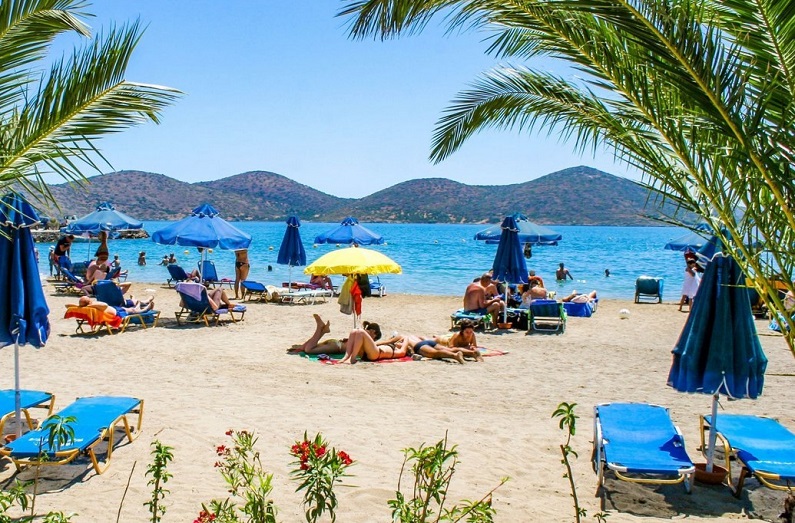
436, 258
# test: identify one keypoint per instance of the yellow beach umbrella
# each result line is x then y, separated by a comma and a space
353, 260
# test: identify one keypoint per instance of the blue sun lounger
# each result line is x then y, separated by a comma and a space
546, 316
110, 293
639, 443
29, 399
479, 320
196, 306
763, 446
254, 290
95, 421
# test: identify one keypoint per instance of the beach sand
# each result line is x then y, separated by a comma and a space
198, 382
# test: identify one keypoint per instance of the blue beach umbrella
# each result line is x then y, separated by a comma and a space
349, 232
23, 308
104, 218
509, 263
528, 232
718, 351
203, 228
291, 251
691, 241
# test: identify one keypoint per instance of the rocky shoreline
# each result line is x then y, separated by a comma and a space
51, 236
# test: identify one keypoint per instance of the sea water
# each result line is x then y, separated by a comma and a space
436, 258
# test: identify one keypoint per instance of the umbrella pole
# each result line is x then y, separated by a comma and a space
505, 310
17, 395
713, 434
289, 278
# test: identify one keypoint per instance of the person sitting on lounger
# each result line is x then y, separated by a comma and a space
219, 300
533, 291
324, 282
475, 298
330, 345
580, 298
133, 306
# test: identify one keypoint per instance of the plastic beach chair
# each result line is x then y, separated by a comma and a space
254, 290
306, 296
648, 288
639, 443
210, 275
479, 320
110, 293
196, 306
546, 316
71, 284
96, 419
763, 446
177, 274
28, 399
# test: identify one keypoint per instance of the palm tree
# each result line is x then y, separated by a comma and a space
50, 121
697, 94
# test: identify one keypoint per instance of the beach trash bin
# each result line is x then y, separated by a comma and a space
648, 288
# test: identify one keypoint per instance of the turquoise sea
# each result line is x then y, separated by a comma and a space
436, 258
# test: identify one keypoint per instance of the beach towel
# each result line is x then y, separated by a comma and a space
94, 315
345, 299
191, 289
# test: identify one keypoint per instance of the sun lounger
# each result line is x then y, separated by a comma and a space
639, 443
306, 296
648, 288
480, 320
210, 275
764, 448
177, 274
196, 306
546, 316
254, 290
71, 284
96, 419
96, 317
377, 288
29, 399
110, 293
582, 310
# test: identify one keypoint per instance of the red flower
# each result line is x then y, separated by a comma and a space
220, 450
304, 466
346, 459
228, 432
320, 451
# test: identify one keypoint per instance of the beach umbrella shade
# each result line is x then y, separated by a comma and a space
23, 308
528, 232
203, 228
509, 262
718, 351
104, 218
691, 241
350, 232
354, 260
291, 251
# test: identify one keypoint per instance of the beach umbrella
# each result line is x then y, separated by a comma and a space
509, 263
203, 228
528, 232
718, 351
353, 260
104, 218
350, 232
23, 308
291, 251
692, 241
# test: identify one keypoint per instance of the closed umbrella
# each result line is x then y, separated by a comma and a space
350, 232
353, 261
23, 308
718, 351
528, 232
509, 263
291, 251
203, 228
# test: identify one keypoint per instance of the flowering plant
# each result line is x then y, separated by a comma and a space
242, 470
318, 469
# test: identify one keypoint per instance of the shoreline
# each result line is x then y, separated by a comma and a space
198, 382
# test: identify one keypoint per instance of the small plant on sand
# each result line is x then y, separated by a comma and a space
242, 470
433, 469
568, 423
318, 469
16, 496
162, 455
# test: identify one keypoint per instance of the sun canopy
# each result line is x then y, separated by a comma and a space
203, 228
528, 232
350, 232
353, 260
104, 218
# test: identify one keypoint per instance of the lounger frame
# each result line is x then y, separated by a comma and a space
765, 478
132, 431
46, 404
546, 322
684, 475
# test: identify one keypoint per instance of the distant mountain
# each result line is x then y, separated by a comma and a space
575, 196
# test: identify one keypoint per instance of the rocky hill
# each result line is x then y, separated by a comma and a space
575, 196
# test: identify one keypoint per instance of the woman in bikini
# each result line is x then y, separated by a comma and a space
361, 345
463, 341
425, 347
330, 345
241, 271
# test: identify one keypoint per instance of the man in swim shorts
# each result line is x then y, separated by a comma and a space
475, 298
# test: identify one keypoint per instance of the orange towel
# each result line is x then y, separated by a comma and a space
93, 316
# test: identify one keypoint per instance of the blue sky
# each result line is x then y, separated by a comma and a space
278, 86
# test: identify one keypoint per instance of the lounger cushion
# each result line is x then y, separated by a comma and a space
583, 310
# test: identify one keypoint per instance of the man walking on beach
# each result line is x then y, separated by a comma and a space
475, 298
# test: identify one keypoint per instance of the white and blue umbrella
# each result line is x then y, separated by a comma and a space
23, 308
509, 262
291, 251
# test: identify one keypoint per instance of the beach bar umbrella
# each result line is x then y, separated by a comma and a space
291, 251
23, 308
718, 351
350, 232
528, 232
203, 228
509, 263
353, 260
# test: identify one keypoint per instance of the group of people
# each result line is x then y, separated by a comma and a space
366, 344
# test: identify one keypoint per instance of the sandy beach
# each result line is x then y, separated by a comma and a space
198, 382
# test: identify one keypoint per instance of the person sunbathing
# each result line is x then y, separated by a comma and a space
422, 346
463, 341
314, 345
323, 282
580, 298
131, 307
219, 300
361, 345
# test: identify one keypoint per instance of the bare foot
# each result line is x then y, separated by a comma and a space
459, 358
325, 328
478, 355
295, 349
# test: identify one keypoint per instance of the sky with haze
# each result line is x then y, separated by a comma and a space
277, 85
